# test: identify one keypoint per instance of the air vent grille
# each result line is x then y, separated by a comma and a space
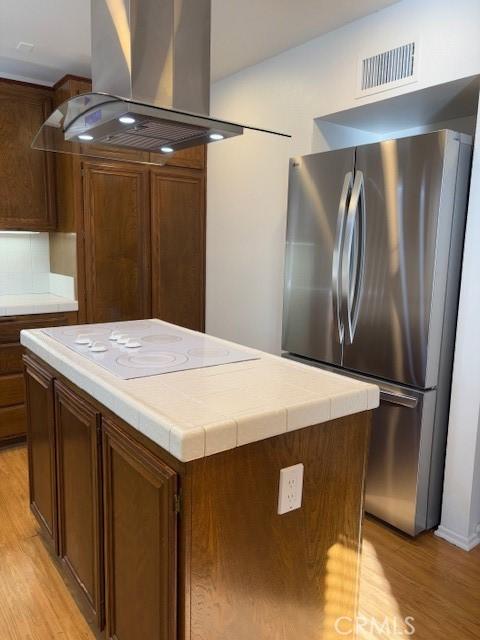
393, 66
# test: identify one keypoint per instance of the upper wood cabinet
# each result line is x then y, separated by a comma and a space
68, 87
117, 241
178, 246
27, 199
193, 158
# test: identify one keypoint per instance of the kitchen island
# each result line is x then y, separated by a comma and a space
159, 494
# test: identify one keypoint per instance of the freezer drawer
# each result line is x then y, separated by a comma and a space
399, 458
407, 453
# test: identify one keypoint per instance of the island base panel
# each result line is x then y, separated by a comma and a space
255, 574
196, 550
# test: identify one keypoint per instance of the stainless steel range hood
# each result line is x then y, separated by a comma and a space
150, 85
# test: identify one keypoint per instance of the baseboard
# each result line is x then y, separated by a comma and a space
464, 542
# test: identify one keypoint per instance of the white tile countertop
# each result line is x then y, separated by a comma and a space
201, 412
31, 303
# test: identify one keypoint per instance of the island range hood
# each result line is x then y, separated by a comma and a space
150, 85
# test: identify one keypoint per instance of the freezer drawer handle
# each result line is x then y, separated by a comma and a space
337, 251
398, 398
353, 258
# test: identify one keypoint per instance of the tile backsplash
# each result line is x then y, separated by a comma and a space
24, 263
25, 266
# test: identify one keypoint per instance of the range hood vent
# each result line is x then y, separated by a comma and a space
151, 85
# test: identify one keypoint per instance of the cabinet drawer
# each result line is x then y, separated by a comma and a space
13, 422
11, 358
10, 327
12, 390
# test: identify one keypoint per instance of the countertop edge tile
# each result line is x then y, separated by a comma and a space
187, 445
220, 436
260, 424
349, 402
308, 413
373, 397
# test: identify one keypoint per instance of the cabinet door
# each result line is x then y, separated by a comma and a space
79, 500
178, 247
26, 175
140, 541
117, 242
41, 447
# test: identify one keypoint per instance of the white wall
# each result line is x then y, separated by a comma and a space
461, 497
248, 176
247, 192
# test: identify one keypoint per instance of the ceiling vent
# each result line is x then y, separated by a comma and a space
388, 70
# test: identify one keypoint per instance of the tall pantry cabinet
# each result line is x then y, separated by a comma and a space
140, 231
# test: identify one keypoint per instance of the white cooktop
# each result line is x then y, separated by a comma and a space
141, 348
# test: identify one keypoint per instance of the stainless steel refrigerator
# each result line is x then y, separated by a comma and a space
373, 260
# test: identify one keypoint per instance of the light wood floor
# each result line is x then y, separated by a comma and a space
427, 579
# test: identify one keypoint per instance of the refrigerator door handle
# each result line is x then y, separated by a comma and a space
337, 252
398, 399
353, 254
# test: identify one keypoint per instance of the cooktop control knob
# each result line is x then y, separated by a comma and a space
133, 344
123, 339
98, 347
83, 338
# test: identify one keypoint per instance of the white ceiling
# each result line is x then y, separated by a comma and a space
244, 32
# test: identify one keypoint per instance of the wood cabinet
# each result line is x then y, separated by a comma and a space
140, 230
178, 246
13, 423
196, 550
140, 540
117, 241
27, 185
77, 495
192, 158
41, 447
80, 539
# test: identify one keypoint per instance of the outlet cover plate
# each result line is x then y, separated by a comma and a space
290, 489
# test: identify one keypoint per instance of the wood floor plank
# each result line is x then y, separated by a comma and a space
35, 603
428, 579
16, 521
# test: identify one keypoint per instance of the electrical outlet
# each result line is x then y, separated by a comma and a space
290, 489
